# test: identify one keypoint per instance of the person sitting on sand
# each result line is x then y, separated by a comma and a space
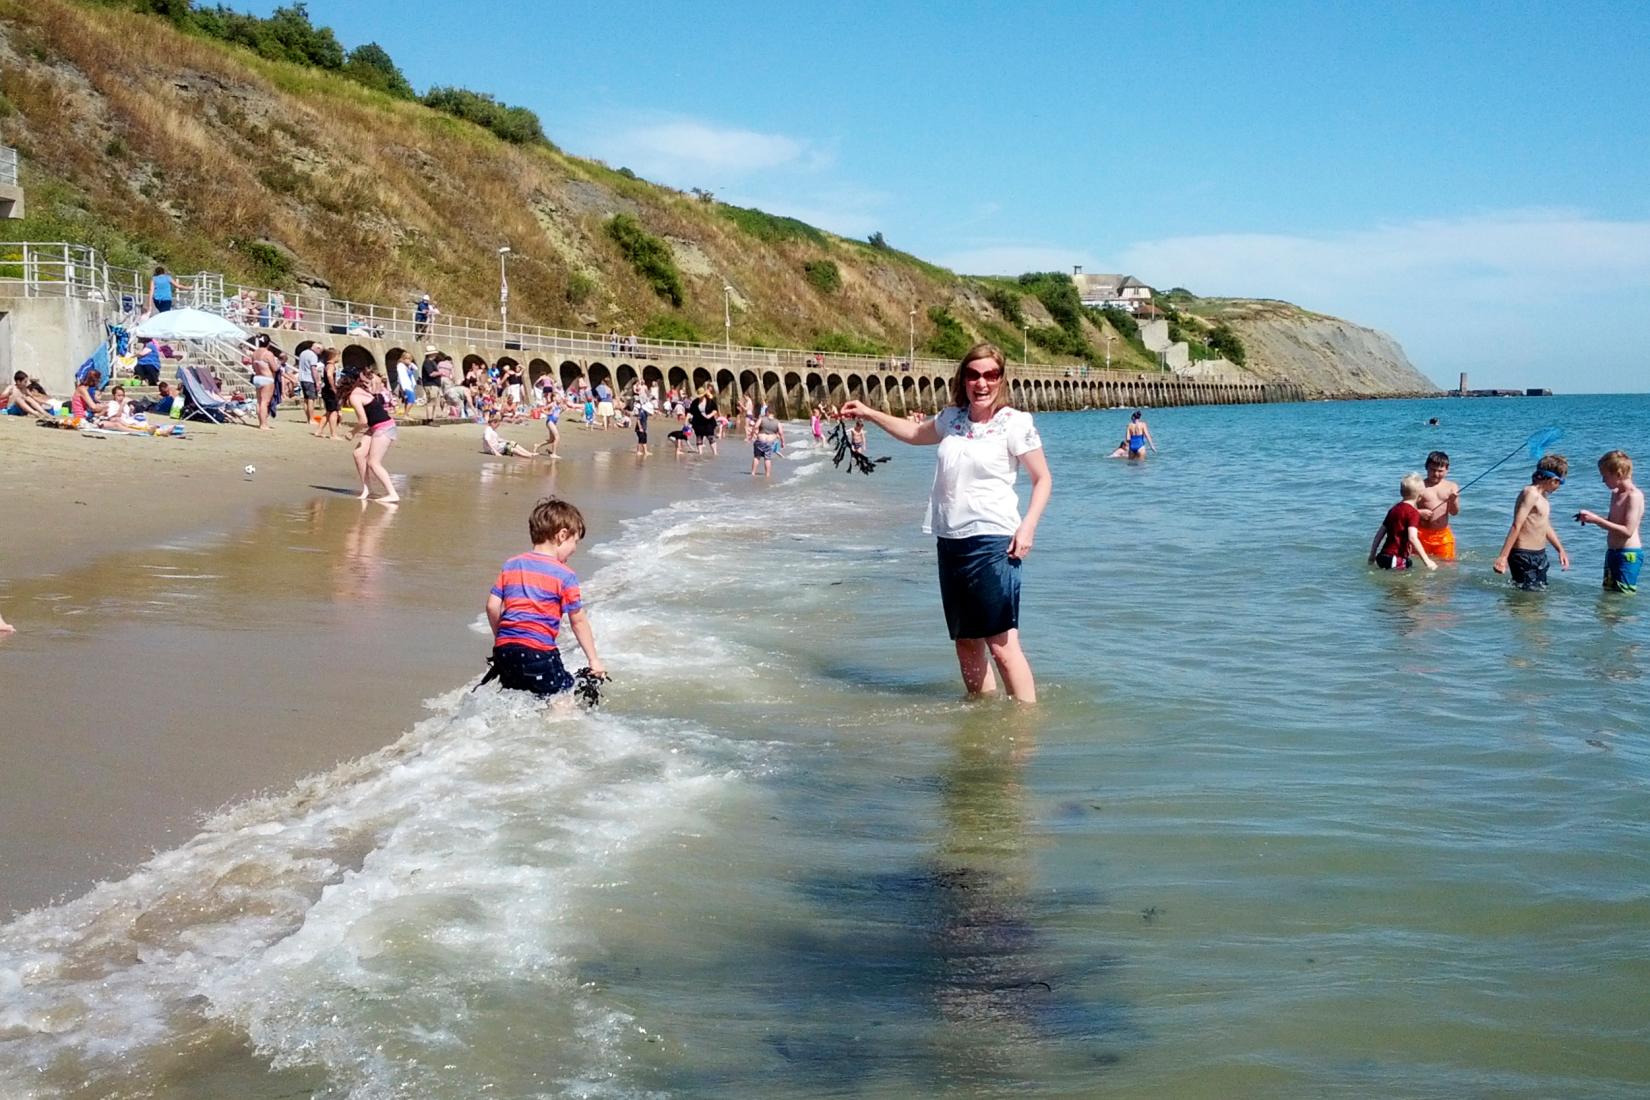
20, 399
84, 405
1399, 531
495, 444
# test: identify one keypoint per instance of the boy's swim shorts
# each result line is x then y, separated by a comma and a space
1388, 561
1621, 569
521, 668
1439, 542
1528, 569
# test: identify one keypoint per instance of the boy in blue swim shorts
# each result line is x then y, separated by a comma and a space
1624, 550
1524, 553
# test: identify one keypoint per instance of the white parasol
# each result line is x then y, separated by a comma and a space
189, 324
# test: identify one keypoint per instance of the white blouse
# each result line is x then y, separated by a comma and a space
973, 491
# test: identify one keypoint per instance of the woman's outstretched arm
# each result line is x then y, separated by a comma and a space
906, 431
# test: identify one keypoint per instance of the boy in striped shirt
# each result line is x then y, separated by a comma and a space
528, 601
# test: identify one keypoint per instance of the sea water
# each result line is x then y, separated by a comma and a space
1280, 825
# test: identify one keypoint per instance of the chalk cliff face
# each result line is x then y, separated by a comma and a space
1325, 354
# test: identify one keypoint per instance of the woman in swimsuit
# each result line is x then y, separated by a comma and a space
84, 404
1139, 437
376, 428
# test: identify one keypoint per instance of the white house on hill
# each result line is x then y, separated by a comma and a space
1114, 291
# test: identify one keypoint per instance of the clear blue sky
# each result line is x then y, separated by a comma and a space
1472, 178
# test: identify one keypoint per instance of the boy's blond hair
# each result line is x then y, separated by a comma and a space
1619, 463
550, 515
1411, 486
1551, 464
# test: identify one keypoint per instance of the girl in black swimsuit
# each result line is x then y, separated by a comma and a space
375, 428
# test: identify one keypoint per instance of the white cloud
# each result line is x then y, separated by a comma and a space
1512, 296
672, 149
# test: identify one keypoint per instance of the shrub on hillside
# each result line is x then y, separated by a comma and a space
669, 327
270, 265
846, 343
878, 241
517, 125
770, 227
823, 276
372, 66
1059, 296
1057, 340
949, 341
1227, 344
579, 287
1006, 302
287, 35
650, 256
1123, 322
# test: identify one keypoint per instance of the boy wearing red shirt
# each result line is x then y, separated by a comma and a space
1399, 533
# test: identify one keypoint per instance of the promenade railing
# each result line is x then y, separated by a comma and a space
8, 166
60, 268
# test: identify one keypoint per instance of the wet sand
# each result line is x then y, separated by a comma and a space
189, 637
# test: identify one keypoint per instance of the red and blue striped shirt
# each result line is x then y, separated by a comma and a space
537, 591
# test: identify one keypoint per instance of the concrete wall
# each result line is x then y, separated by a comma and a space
1155, 335
50, 338
11, 206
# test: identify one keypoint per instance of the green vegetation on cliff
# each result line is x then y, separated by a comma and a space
265, 148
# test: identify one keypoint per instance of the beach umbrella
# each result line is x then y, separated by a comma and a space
189, 324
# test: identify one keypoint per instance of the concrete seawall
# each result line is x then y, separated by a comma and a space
791, 387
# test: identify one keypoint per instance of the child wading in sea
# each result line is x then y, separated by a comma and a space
534, 591
1525, 550
1624, 553
1399, 532
1439, 500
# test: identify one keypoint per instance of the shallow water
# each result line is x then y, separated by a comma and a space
1281, 826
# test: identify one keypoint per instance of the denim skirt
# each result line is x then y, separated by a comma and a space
979, 586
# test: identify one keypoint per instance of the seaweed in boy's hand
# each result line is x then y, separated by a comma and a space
839, 439
587, 687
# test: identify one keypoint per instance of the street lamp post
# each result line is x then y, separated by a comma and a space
503, 290
911, 346
1108, 349
727, 320
1025, 343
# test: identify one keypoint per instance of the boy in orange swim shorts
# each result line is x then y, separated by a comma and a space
1439, 500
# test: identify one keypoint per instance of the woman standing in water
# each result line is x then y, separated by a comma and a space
364, 392
975, 516
1138, 437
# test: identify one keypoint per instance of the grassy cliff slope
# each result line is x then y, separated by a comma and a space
159, 146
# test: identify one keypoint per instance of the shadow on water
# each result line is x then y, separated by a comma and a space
951, 944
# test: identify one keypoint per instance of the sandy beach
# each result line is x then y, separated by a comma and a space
189, 636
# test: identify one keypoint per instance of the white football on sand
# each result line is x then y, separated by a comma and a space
250, 470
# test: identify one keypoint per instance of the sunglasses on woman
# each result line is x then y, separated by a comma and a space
995, 374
